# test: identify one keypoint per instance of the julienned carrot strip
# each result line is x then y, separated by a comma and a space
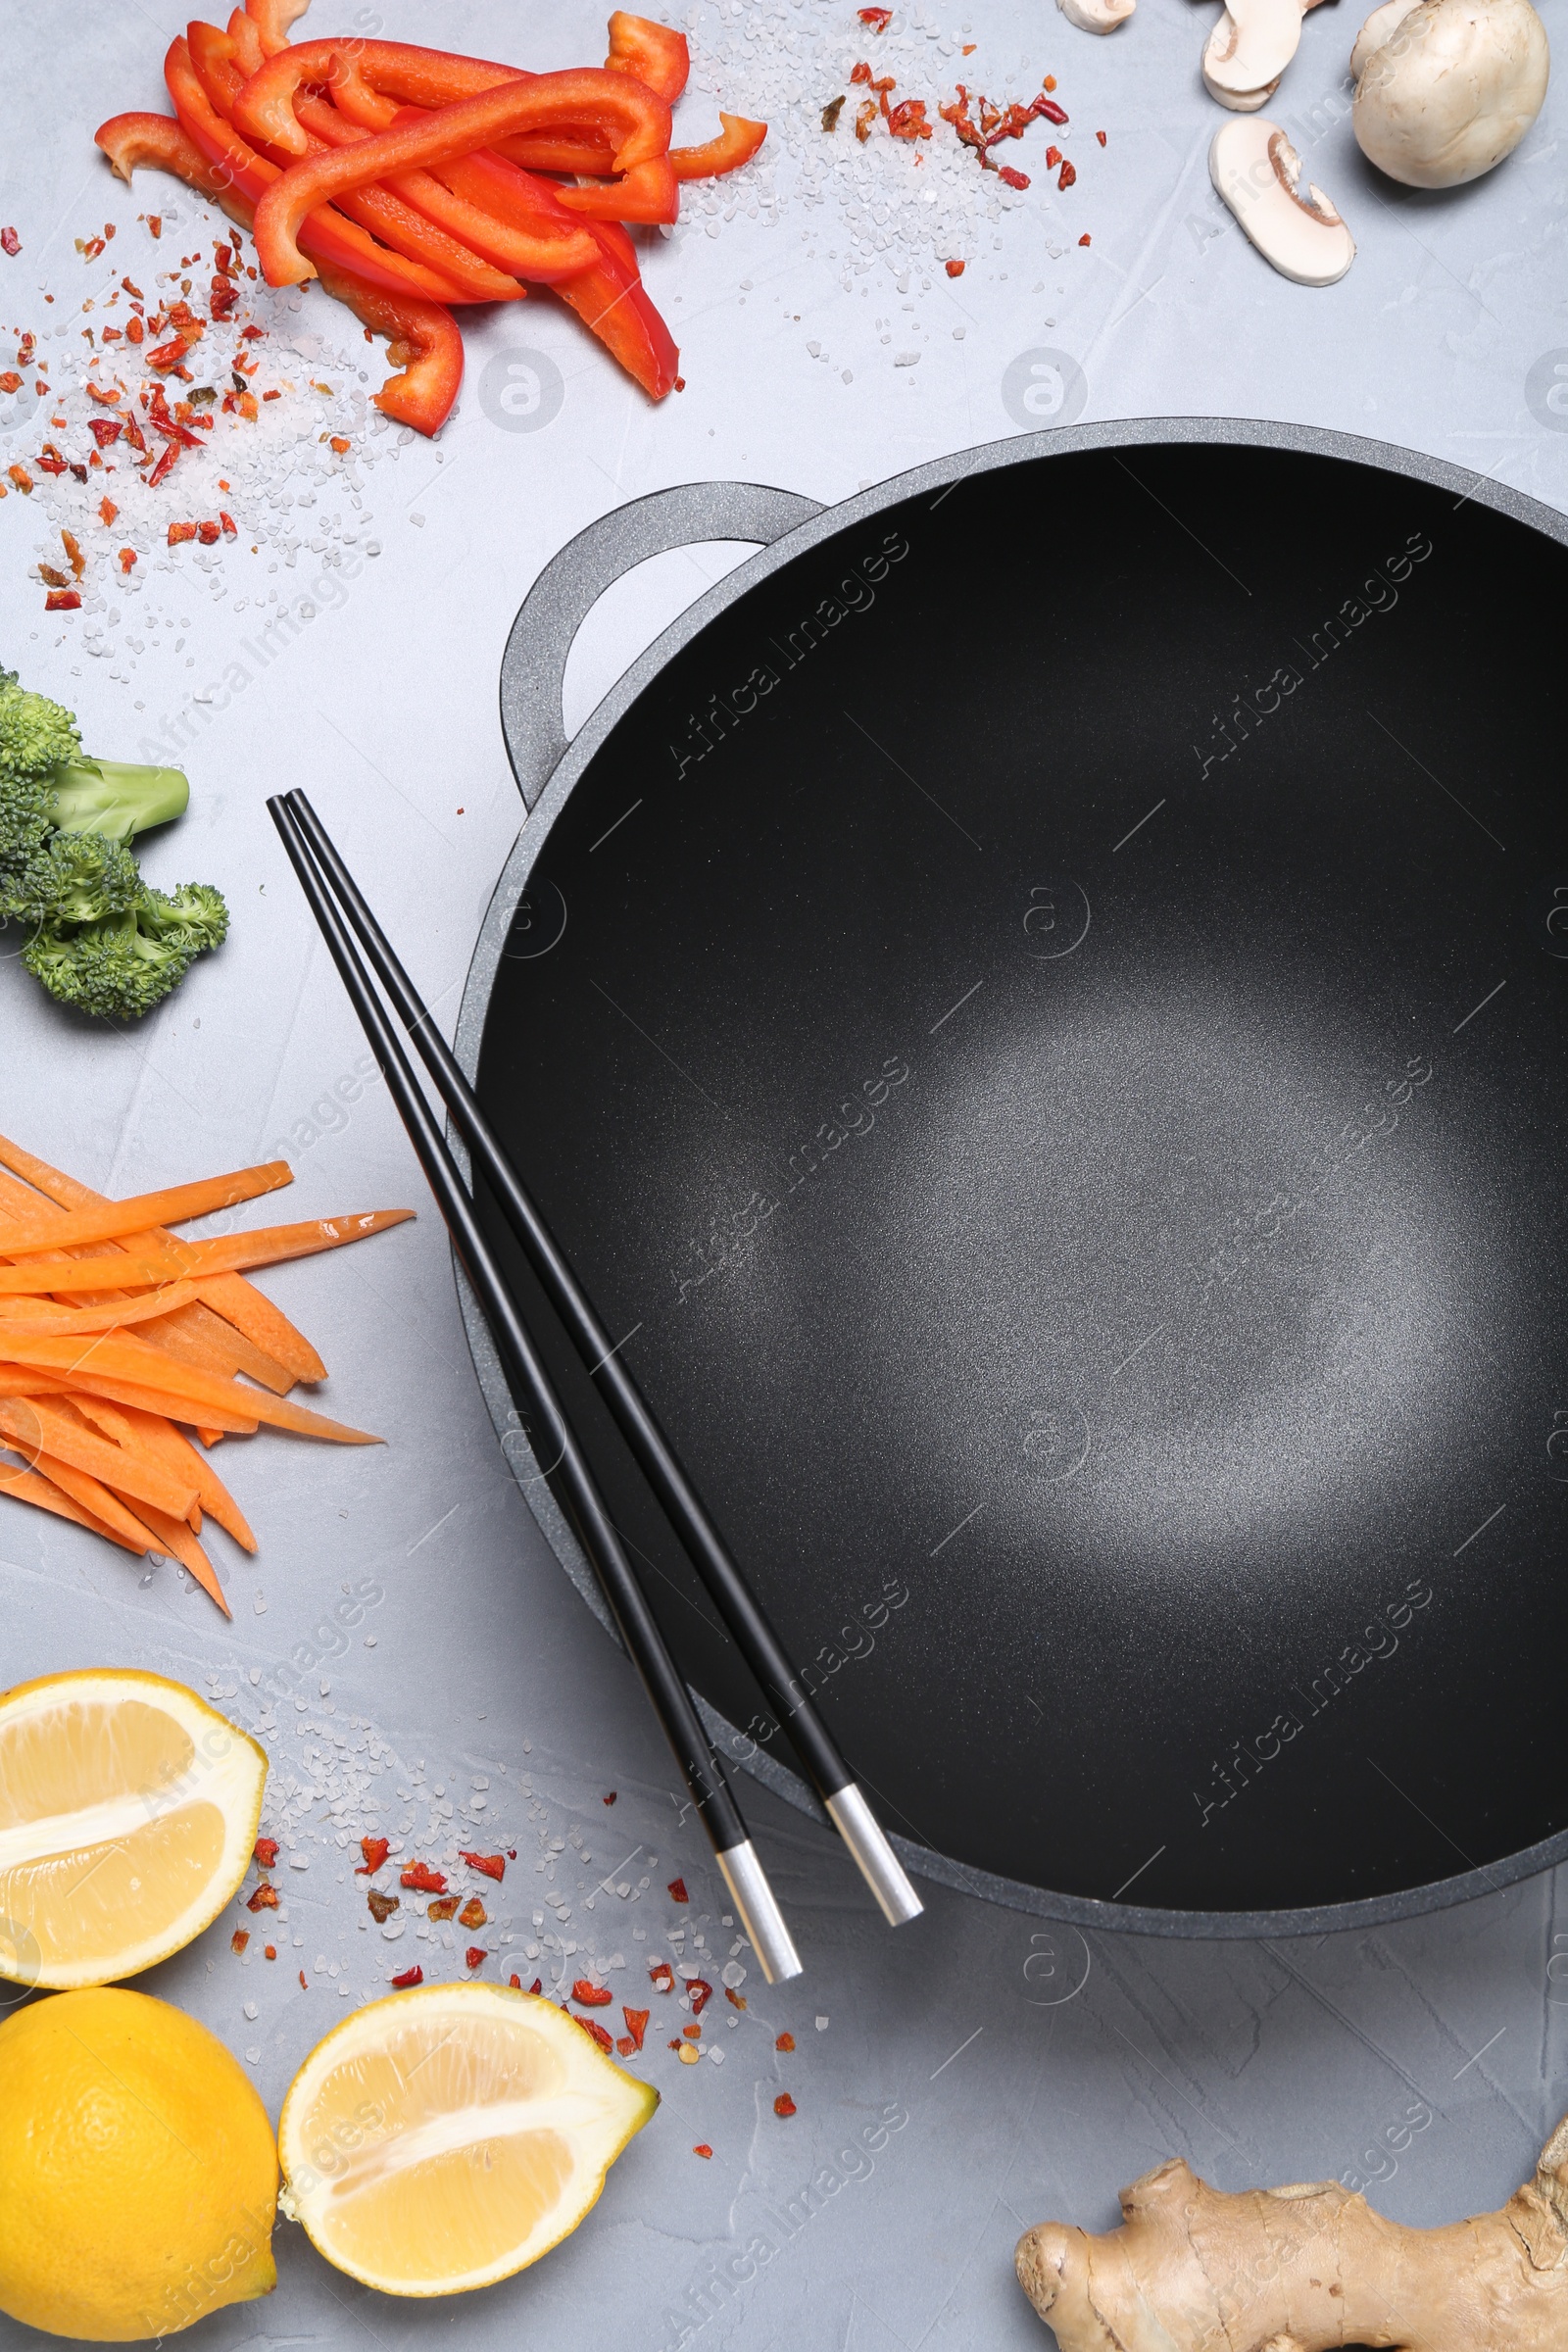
181, 1459
237, 1424
140, 1215
17, 1380
179, 1261
95, 1498
173, 1537
122, 1358
113, 1422
26, 1486
43, 1315
33, 1425
234, 1301
196, 1336
256, 1318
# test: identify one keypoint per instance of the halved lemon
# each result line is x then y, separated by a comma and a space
445, 2138
129, 1811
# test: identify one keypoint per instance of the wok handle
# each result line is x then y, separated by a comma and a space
533, 667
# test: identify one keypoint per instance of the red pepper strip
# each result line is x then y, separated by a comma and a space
245, 34
247, 175
647, 192
736, 144
624, 107
425, 342
398, 68
537, 240
615, 304
376, 208
272, 19
657, 56
157, 139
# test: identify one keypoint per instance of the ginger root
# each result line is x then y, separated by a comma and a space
1305, 2268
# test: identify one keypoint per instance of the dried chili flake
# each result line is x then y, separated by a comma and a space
127, 561
677, 1891
165, 465
268, 1951
133, 291
861, 72
342, 448
135, 435
10, 242
1052, 112
10, 381
168, 359
155, 224
423, 1879
1053, 157
239, 1939
677, 2045
264, 1898
701, 1993
409, 1975
178, 533
52, 578
537, 1986
906, 121
611, 1798
702, 2148
474, 1914
625, 2045
447, 1908
879, 19
954, 268
736, 2000
134, 331
493, 1866
375, 1851
661, 1977
1066, 176
105, 400
252, 334
591, 1997
78, 562
21, 479
784, 2105
1011, 178
516, 1982
381, 1906
247, 408
221, 298
1101, 137
106, 430
636, 2025
106, 513
25, 348
50, 459
78, 474
1084, 239
1050, 83
592, 2026
207, 533
865, 119
785, 2041
692, 2032
832, 111
474, 1954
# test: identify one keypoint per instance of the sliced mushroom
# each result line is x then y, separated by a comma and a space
1252, 44
1256, 171
1244, 102
1449, 88
1096, 16
1376, 31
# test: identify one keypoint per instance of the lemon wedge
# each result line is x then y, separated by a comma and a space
445, 2138
129, 1811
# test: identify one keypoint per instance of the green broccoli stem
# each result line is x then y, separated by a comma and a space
115, 798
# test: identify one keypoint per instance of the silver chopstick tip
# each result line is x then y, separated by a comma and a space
761, 1915
878, 1864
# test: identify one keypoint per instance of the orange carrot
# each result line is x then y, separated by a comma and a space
26, 1486
122, 1356
34, 1425
189, 1261
235, 1300
196, 1336
237, 1424
17, 1380
171, 1208
181, 1460
96, 1499
175, 1536
43, 1315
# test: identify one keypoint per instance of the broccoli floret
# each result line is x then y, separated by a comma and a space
121, 964
101, 939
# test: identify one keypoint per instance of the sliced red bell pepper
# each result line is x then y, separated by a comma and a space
376, 208
653, 52
425, 342
156, 139
328, 235
624, 108
272, 19
244, 33
736, 144
615, 304
647, 192
398, 68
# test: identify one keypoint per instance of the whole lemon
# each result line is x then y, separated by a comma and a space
139, 2171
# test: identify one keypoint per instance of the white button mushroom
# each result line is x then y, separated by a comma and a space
1250, 45
1257, 171
1447, 89
1244, 102
1096, 16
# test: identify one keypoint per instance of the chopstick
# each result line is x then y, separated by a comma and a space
732, 1593
555, 1445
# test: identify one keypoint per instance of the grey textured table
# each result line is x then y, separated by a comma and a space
964, 2077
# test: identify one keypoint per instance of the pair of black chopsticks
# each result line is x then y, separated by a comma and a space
333, 896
